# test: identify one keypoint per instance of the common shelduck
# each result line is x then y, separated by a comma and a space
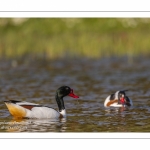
118, 99
23, 109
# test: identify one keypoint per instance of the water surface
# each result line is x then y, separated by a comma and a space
93, 80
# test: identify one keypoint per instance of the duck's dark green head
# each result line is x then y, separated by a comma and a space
122, 97
62, 92
65, 91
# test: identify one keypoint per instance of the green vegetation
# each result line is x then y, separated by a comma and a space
52, 38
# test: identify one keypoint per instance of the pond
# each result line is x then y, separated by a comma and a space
92, 80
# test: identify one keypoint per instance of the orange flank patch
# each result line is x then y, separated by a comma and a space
16, 111
111, 102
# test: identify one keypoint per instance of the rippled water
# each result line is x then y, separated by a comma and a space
92, 80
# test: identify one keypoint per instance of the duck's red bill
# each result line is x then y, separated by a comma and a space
122, 100
71, 94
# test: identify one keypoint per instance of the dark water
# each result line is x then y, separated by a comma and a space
92, 80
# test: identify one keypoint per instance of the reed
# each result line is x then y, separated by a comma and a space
60, 38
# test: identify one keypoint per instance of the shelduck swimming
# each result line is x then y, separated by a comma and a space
23, 109
118, 99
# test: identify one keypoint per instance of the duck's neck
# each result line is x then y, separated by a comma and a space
60, 103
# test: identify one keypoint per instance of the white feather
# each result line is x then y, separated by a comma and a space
25, 103
63, 112
116, 95
42, 112
106, 101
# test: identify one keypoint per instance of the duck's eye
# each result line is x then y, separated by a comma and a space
67, 88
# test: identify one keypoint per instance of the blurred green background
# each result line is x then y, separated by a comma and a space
51, 38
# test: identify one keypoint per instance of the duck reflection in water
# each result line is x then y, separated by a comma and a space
34, 125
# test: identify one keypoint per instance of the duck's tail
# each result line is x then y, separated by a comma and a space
14, 109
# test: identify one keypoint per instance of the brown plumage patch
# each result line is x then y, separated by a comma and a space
111, 102
28, 106
61, 116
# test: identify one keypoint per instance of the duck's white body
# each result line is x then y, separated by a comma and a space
31, 110
109, 102
114, 104
23, 109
